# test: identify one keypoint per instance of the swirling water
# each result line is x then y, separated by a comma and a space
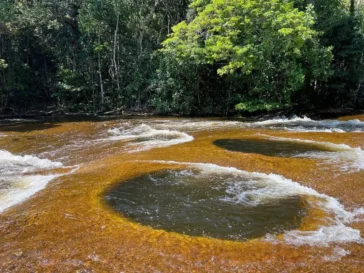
25, 173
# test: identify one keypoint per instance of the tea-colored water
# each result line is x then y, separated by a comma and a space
68, 227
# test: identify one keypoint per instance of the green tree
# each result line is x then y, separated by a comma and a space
340, 23
271, 44
98, 55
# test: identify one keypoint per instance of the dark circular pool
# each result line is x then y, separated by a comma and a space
270, 147
212, 204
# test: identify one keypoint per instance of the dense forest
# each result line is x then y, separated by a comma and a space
198, 57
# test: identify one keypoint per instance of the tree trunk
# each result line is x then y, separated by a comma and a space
116, 69
102, 94
352, 8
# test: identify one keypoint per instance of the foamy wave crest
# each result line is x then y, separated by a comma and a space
197, 125
283, 119
295, 123
16, 182
349, 159
268, 188
306, 124
144, 137
337, 254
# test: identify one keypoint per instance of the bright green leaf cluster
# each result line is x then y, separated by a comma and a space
269, 43
238, 34
3, 64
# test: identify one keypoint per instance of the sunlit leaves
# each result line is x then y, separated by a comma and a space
270, 43
3, 64
233, 32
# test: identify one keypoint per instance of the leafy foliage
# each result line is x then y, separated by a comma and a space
270, 44
218, 56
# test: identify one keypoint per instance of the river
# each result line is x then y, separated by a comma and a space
182, 195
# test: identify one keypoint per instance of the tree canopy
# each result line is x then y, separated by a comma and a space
272, 40
178, 56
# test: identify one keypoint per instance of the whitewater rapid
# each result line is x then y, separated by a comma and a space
305, 124
19, 179
149, 134
144, 137
346, 158
269, 187
294, 123
164, 133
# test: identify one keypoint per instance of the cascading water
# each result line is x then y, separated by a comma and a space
306, 124
344, 157
144, 137
214, 201
294, 123
171, 187
18, 180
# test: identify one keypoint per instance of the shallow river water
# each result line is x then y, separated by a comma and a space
182, 195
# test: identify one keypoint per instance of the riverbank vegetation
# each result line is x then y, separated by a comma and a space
199, 57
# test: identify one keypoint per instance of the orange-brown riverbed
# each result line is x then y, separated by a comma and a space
68, 227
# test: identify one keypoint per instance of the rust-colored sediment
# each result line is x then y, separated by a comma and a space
68, 228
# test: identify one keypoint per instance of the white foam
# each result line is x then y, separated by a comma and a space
306, 124
274, 187
337, 254
283, 119
197, 125
338, 233
13, 164
16, 184
145, 137
299, 124
22, 188
349, 159
315, 129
